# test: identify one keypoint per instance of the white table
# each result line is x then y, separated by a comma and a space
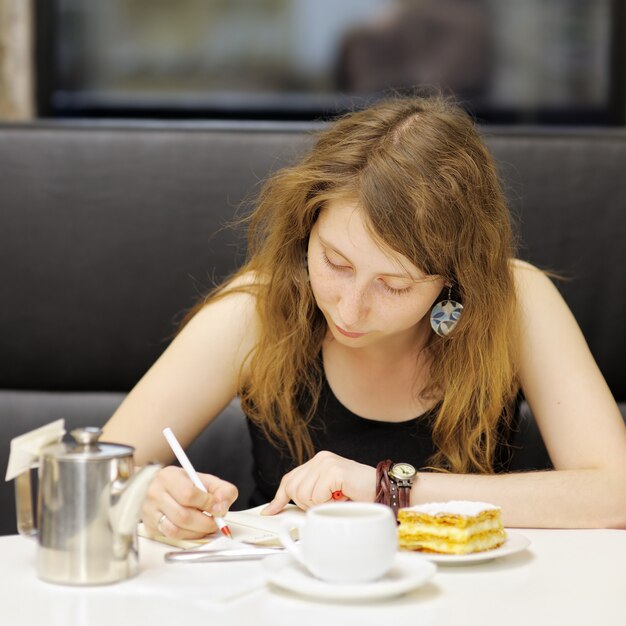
565, 577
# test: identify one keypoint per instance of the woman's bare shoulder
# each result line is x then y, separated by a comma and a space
518, 265
529, 278
244, 283
249, 278
233, 307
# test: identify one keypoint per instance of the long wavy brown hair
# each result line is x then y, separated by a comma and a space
429, 190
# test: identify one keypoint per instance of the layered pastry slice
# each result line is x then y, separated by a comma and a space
455, 527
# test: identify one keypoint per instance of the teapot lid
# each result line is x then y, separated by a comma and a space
85, 446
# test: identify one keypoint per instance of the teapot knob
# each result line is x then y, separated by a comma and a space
86, 436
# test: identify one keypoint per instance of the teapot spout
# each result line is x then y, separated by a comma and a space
125, 512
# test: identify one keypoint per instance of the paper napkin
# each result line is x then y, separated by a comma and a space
26, 448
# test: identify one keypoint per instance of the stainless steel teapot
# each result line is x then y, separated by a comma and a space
88, 505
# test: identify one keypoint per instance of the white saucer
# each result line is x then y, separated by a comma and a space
514, 543
406, 573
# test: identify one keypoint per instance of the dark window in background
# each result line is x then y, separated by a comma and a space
508, 61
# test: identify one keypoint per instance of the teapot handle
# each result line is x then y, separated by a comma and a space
24, 505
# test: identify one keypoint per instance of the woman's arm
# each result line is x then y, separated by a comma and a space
577, 416
192, 381
186, 389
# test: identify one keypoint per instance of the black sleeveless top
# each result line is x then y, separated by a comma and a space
337, 429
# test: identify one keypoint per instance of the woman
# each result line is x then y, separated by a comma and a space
382, 315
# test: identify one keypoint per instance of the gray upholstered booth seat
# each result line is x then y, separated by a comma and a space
109, 231
222, 449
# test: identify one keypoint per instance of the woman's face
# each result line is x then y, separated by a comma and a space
368, 293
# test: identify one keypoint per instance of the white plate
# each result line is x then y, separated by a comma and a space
514, 543
407, 573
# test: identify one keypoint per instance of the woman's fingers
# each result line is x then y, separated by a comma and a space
301, 487
176, 508
288, 491
316, 480
182, 522
179, 486
222, 492
280, 501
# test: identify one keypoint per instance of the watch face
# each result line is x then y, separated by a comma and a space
403, 471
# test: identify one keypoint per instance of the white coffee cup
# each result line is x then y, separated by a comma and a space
344, 542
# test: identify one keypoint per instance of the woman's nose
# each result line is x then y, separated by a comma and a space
352, 305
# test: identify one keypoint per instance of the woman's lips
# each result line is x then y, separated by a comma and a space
348, 334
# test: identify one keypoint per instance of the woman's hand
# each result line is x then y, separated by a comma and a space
176, 508
315, 481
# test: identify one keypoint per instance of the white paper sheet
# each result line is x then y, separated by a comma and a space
249, 526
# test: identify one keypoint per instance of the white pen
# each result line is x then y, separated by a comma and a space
183, 459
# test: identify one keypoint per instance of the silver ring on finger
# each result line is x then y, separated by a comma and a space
160, 522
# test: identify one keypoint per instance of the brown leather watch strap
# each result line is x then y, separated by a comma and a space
383, 484
404, 497
394, 492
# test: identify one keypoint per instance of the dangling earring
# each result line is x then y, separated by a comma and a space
445, 315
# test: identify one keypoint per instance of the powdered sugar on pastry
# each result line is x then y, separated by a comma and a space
457, 507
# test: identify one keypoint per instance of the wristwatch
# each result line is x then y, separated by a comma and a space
401, 476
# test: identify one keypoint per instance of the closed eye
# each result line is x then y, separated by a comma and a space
332, 265
340, 268
395, 292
